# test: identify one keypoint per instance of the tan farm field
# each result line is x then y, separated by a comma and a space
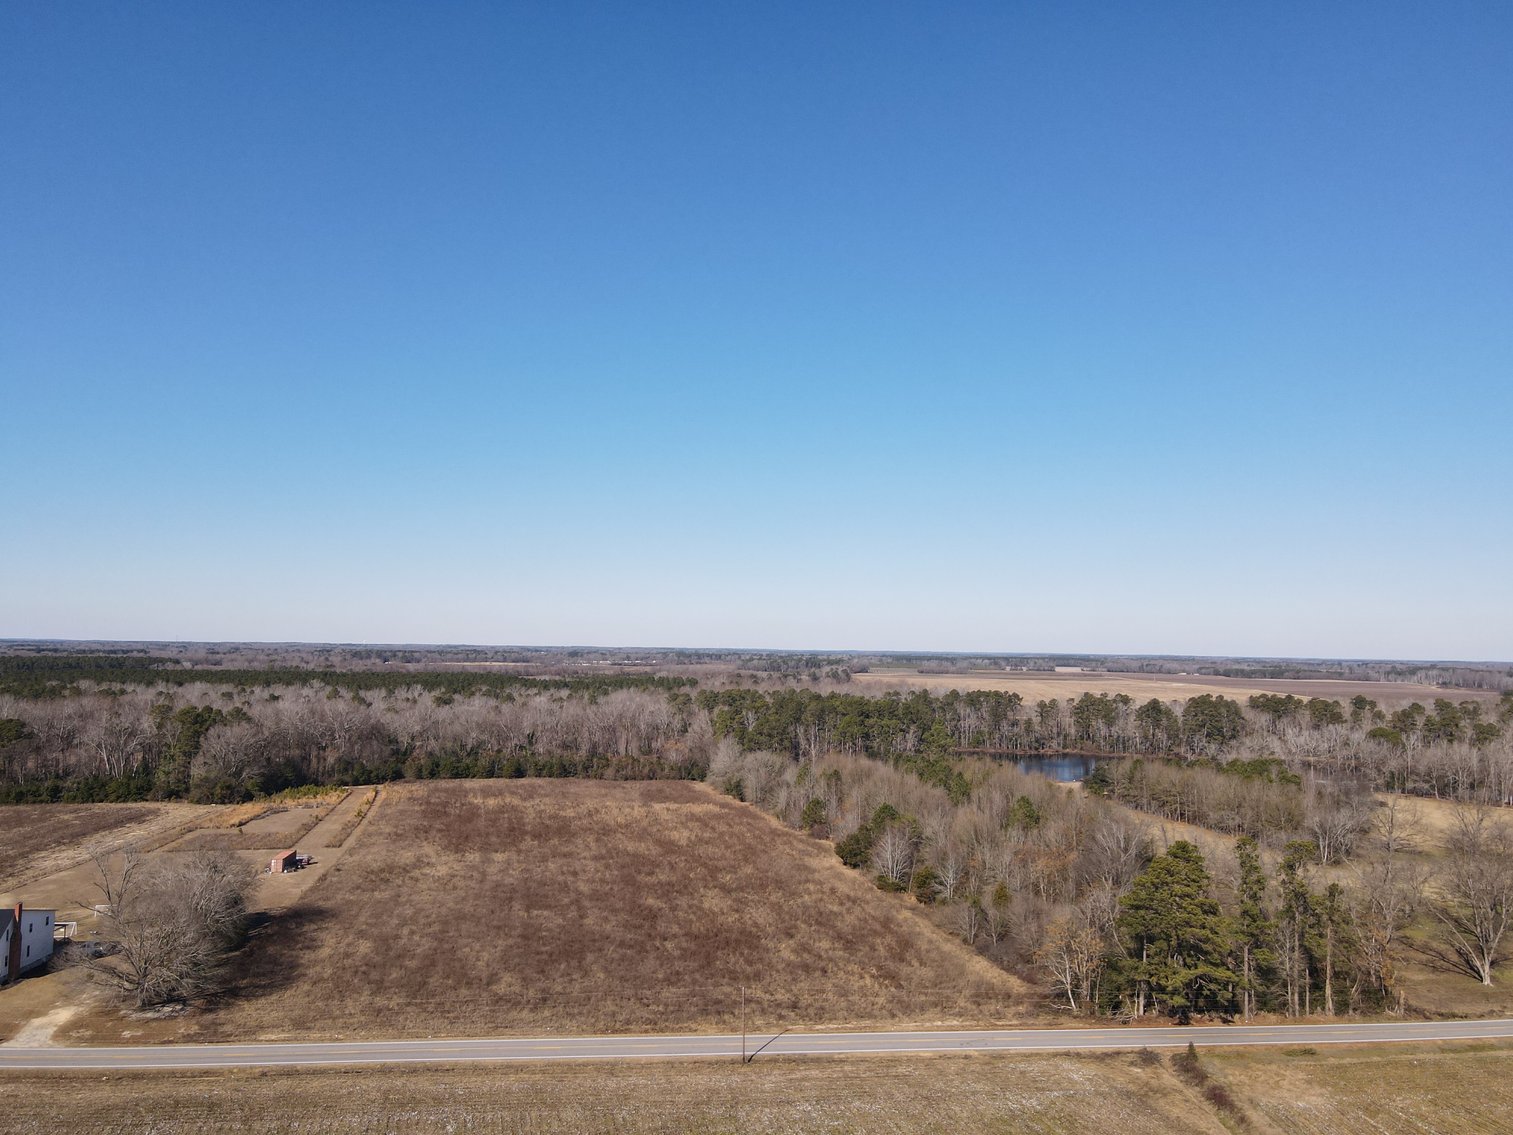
37, 840
60, 874
939, 1095
55, 842
1042, 686
487, 907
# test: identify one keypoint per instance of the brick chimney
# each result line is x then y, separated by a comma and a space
15, 958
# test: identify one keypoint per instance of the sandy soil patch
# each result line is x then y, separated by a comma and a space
38, 1032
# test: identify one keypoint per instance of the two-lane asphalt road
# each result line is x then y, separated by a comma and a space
787, 1044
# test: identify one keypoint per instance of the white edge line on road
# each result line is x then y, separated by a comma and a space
190, 1064
734, 1038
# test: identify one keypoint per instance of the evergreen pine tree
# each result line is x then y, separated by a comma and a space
1255, 931
1176, 939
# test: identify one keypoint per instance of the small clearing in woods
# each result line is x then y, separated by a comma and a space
486, 907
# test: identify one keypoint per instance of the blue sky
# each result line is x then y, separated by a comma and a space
1156, 328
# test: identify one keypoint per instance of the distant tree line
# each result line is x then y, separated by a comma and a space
60, 676
214, 745
1452, 749
114, 728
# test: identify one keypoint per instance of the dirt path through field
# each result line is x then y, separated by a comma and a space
39, 1032
337, 829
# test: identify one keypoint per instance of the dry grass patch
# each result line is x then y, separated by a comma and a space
272, 828
1427, 822
479, 907
43, 839
1376, 1092
338, 826
1031, 1095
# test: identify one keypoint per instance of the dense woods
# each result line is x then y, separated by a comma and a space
1063, 888
238, 733
43, 676
213, 745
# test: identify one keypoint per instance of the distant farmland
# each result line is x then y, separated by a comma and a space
471, 907
1043, 685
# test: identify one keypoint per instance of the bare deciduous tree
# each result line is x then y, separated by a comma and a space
1398, 822
1116, 851
116, 741
170, 926
893, 855
1335, 820
1072, 954
1476, 903
1387, 893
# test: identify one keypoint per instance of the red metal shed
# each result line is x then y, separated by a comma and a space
284, 861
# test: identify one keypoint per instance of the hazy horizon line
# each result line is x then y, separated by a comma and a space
854, 651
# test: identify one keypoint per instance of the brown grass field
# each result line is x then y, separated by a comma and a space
43, 839
1041, 686
1422, 1090
1033, 1095
485, 907
36, 1010
580, 906
1452, 1090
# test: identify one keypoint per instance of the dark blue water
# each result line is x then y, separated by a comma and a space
1058, 766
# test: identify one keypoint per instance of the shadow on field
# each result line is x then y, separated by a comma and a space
1439, 957
274, 956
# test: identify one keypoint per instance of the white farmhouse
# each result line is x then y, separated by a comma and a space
26, 940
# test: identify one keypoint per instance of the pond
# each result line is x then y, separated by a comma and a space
1064, 767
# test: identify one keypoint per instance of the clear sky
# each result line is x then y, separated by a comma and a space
1180, 327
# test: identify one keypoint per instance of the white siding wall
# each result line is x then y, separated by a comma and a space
5, 953
36, 937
